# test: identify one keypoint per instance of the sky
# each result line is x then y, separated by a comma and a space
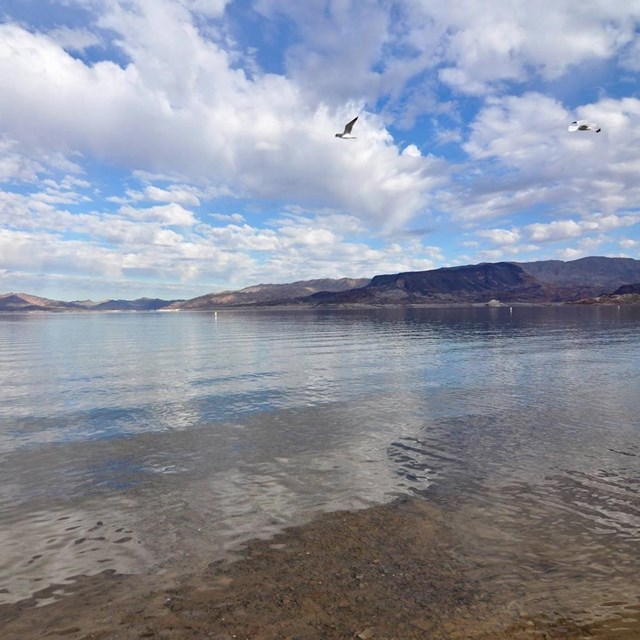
173, 148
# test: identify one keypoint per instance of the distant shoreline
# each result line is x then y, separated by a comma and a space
329, 307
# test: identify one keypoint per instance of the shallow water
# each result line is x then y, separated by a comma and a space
156, 441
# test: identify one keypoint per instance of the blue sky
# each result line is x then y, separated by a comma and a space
173, 148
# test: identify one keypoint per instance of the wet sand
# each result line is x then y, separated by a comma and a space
387, 572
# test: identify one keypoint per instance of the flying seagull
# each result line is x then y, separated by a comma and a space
346, 134
584, 125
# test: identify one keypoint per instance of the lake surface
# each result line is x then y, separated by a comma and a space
152, 442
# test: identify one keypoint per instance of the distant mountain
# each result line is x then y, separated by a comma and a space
588, 280
473, 283
585, 277
270, 294
27, 302
141, 304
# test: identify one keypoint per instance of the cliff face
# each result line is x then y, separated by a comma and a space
626, 294
473, 283
586, 276
627, 289
469, 280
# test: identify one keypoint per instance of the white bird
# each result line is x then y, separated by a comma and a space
346, 134
584, 125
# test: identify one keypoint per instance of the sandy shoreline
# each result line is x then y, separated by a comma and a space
387, 572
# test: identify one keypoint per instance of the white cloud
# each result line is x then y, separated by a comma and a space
630, 58
554, 231
180, 114
483, 45
501, 236
412, 151
170, 214
14, 166
178, 195
40, 251
211, 8
224, 217
472, 45
518, 129
179, 107
140, 242
564, 229
58, 196
74, 39
586, 247
522, 158
242, 238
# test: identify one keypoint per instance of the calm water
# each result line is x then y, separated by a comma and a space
146, 442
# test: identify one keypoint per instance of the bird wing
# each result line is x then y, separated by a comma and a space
349, 126
584, 125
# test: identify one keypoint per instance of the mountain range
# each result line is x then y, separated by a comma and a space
587, 280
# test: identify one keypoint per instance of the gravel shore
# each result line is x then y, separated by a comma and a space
387, 572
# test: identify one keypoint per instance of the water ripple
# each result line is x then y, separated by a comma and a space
188, 434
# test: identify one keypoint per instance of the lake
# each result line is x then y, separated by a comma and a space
146, 442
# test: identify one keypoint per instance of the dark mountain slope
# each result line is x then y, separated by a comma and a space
588, 276
473, 283
141, 304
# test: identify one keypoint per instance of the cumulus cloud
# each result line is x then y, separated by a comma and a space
179, 106
75, 39
563, 229
510, 41
150, 242
211, 8
524, 157
501, 236
170, 214
590, 229
149, 140
472, 46
228, 217
14, 166
175, 194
